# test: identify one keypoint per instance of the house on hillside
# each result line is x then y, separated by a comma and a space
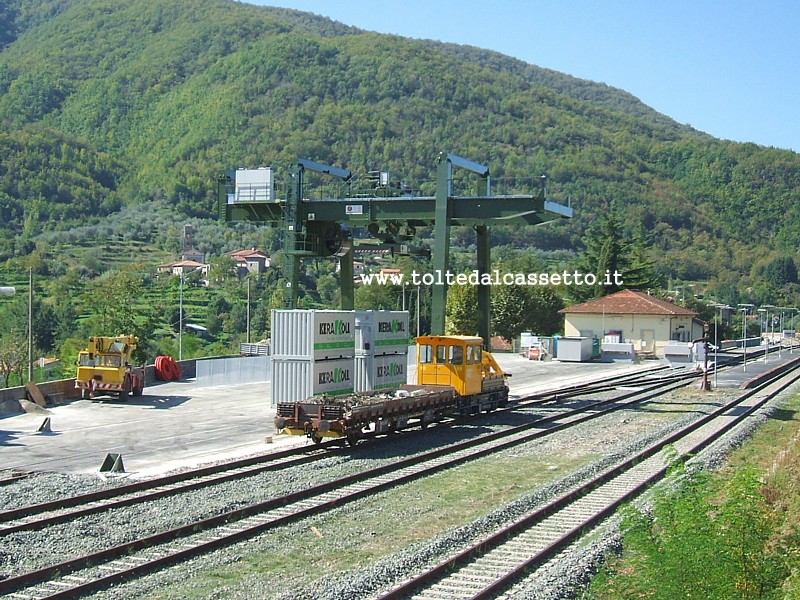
250, 261
647, 322
184, 267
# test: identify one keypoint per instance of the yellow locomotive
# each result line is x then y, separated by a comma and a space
455, 378
460, 362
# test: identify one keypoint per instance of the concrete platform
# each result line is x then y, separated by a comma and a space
179, 424
755, 368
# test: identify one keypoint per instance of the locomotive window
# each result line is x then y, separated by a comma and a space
441, 355
425, 354
473, 355
456, 355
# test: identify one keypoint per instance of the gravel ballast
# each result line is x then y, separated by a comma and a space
614, 436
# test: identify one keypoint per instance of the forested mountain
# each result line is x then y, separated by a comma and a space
106, 104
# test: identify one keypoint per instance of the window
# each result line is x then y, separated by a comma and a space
109, 361
456, 355
425, 354
441, 354
473, 355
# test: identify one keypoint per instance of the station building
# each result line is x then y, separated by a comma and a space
647, 322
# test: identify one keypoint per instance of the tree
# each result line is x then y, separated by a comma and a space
615, 262
378, 297
461, 315
44, 323
328, 288
639, 270
544, 318
779, 272
511, 310
222, 271
602, 254
118, 308
13, 355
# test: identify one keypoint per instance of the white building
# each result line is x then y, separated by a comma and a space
647, 322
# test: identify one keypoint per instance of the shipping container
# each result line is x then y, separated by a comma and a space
575, 349
313, 334
381, 332
381, 372
294, 380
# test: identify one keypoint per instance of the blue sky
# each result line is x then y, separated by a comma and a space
729, 68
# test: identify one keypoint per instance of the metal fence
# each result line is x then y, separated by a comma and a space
233, 371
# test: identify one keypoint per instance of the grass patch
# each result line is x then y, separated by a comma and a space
729, 534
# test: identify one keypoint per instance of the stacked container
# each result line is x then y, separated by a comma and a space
381, 349
313, 352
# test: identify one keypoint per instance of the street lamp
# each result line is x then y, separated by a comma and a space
716, 339
30, 324
743, 308
763, 323
794, 332
180, 319
767, 324
783, 309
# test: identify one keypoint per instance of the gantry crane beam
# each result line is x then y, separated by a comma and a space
515, 209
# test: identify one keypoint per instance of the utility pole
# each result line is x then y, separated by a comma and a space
30, 324
180, 319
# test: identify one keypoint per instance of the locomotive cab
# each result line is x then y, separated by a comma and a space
458, 361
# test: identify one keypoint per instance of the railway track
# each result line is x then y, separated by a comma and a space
42, 515
98, 570
488, 567
39, 516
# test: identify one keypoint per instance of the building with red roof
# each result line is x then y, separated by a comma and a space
250, 260
647, 322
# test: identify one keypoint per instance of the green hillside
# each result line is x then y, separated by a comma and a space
110, 105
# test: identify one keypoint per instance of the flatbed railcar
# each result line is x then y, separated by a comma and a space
455, 378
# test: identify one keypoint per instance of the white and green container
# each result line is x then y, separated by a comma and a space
294, 380
313, 334
382, 372
380, 332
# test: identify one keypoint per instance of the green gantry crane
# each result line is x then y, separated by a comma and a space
321, 227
